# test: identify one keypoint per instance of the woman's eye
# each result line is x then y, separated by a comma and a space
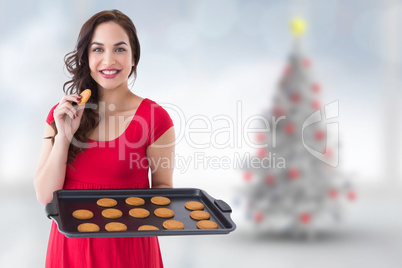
98, 49
120, 49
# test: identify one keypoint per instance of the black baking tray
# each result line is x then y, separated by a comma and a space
64, 202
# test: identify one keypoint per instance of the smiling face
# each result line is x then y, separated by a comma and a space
110, 56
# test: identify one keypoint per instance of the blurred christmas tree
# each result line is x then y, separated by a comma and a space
295, 196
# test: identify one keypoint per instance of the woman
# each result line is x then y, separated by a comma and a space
103, 146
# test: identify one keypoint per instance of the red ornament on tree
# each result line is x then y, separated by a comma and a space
316, 87
307, 63
287, 70
248, 176
295, 97
270, 180
262, 152
293, 173
258, 217
278, 112
316, 105
333, 193
352, 196
328, 153
289, 128
260, 137
319, 134
305, 218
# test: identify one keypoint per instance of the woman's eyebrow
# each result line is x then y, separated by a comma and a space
117, 44
96, 43
120, 43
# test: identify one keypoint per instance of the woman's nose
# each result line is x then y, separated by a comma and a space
108, 59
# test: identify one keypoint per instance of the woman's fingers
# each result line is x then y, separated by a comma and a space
71, 114
65, 109
80, 111
70, 98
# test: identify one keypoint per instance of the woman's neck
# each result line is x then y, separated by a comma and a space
119, 98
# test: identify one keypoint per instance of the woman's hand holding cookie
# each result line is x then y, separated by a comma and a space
68, 117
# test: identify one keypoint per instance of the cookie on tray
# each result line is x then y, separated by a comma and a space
83, 214
112, 213
164, 213
148, 228
88, 227
199, 215
106, 202
173, 225
194, 205
160, 200
139, 213
207, 224
115, 227
135, 201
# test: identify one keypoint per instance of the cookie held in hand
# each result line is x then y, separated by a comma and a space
85, 95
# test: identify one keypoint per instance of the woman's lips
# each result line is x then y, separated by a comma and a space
109, 73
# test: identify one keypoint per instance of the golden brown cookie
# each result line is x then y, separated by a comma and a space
207, 224
84, 96
194, 205
83, 214
106, 202
173, 225
199, 215
88, 227
148, 228
115, 227
135, 201
112, 213
160, 200
139, 213
164, 213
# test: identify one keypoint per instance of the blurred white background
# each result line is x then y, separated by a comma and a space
206, 58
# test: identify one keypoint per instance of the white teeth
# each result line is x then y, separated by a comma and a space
109, 72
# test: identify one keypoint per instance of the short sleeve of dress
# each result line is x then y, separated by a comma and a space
160, 122
50, 117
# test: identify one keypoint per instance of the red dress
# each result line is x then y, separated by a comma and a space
117, 164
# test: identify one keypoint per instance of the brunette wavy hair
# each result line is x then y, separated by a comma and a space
77, 65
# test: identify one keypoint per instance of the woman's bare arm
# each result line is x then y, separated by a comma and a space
160, 156
52, 165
